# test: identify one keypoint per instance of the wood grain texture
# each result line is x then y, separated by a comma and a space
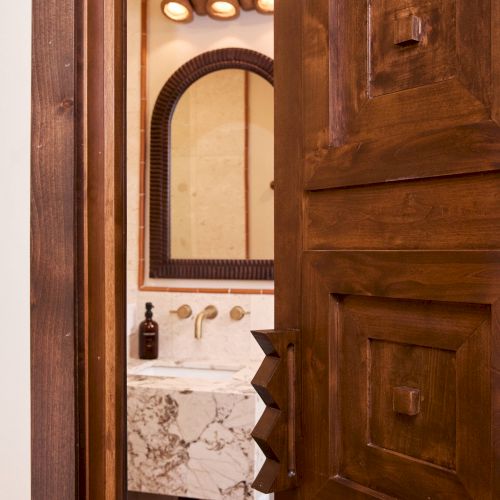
402, 334
288, 161
53, 254
275, 433
395, 68
444, 89
452, 276
105, 241
397, 190
288, 177
407, 215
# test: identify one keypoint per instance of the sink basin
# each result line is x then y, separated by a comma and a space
183, 372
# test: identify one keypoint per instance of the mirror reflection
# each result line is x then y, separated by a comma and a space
222, 166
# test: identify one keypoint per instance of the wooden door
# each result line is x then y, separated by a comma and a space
388, 248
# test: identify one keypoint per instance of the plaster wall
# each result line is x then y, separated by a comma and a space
15, 103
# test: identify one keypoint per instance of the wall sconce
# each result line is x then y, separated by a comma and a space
265, 6
178, 10
223, 9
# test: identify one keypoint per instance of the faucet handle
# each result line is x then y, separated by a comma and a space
238, 313
210, 312
183, 312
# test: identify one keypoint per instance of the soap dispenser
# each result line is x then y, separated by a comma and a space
148, 335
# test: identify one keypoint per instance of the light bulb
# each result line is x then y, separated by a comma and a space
176, 11
266, 5
223, 9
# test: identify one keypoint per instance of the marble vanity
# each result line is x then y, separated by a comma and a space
189, 427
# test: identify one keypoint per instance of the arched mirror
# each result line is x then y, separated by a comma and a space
212, 169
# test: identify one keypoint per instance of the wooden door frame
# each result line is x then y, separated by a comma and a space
78, 227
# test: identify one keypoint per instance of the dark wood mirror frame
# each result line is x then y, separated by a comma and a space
161, 265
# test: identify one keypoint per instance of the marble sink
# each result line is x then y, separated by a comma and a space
189, 428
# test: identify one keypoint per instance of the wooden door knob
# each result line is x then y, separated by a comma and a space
406, 401
407, 30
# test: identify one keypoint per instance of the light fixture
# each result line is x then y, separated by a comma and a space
178, 10
223, 9
265, 6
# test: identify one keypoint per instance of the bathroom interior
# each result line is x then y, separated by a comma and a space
200, 231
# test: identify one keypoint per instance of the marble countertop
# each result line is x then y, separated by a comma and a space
239, 383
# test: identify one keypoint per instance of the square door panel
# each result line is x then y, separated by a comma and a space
408, 398
411, 46
422, 380
409, 94
379, 84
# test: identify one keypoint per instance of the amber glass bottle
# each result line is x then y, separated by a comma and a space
148, 335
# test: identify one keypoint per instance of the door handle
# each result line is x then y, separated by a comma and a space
276, 431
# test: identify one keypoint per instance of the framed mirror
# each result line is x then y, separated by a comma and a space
211, 199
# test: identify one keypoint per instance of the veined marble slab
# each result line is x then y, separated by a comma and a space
191, 437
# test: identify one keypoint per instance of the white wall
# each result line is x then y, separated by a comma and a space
15, 61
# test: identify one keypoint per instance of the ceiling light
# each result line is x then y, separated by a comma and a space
265, 6
223, 9
178, 10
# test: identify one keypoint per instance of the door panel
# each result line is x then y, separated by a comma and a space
402, 374
407, 215
387, 102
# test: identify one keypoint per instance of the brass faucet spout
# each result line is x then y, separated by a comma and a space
210, 312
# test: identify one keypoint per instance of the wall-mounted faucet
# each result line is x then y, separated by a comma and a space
210, 312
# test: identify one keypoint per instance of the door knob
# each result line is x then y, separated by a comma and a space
183, 312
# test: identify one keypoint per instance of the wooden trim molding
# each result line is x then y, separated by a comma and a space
161, 264
54, 291
289, 153
78, 250
143, 111
105, 232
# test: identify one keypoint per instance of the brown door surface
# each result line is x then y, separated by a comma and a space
388, 250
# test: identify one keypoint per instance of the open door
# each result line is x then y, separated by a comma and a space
387, 258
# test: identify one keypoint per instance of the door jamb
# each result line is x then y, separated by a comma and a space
78, 250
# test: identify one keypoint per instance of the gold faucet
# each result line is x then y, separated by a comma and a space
210, 312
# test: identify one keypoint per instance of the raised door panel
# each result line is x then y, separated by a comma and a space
443, 213
404, 375
409, 91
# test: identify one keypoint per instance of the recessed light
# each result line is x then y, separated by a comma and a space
265, 6
178, 10
223, 9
